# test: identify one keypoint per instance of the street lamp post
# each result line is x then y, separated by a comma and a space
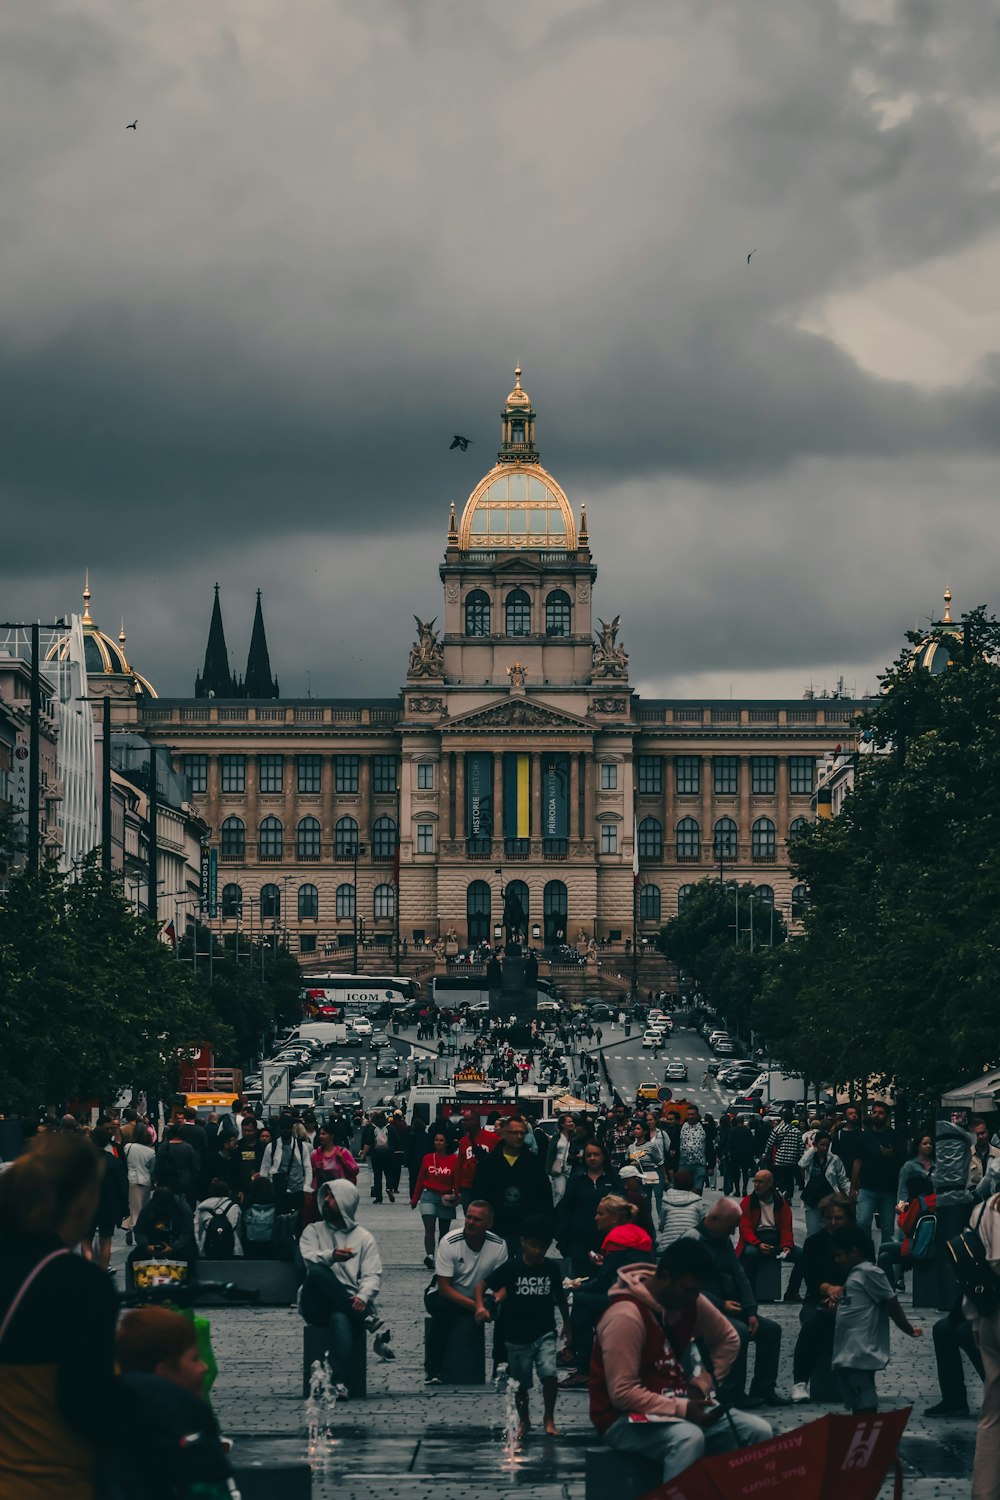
359, 849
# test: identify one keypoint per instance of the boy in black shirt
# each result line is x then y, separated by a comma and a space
529, 1288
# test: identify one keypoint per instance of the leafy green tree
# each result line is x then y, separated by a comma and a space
721, 940
251, 990
897, 974
92, 1001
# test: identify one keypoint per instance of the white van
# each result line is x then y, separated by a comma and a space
328, 1033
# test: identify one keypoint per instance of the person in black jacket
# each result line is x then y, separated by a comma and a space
624, 1244
112, 1203
514, 1183
576, 1228
165, 1228
824, 1281
177, 1165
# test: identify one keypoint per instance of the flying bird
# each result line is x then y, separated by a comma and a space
752, 252
459, 442
134, 125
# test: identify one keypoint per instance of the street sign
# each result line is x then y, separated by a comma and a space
665, 1094
274, 1086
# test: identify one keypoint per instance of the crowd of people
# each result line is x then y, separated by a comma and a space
625, 1252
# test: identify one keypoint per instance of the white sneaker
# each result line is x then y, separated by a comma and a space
800, 1391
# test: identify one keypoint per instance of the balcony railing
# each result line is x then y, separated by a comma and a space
554, 848
516, 848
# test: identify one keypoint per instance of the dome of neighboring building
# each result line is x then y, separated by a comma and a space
518, 504
937, 652
103, 656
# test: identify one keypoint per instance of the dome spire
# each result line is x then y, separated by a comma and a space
452, 527
947, 606
517, 429
87, 618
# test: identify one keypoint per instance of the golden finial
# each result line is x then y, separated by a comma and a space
584, 536
86, 600
947, 606
121, 635
517, 376
452, 524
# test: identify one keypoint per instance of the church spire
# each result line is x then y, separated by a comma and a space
216, 680
259, 682
517, 440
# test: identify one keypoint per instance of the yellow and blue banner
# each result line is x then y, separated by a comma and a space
516, 795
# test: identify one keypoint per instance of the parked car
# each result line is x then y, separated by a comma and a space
724, 1047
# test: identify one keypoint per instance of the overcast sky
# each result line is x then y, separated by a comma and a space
235, 342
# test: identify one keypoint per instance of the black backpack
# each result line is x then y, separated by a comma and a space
220, 1236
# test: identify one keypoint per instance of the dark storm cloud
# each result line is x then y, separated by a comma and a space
255, 322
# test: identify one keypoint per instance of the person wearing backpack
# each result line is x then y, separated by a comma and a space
286, 1165
218, 1224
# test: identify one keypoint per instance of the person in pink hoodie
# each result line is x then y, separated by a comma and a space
646, 1396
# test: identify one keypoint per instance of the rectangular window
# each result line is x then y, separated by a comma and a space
385, 773
609, 838
196, 771
687, 770
425, 775
425, 838
651, 774
345, 771
726, 774
234, 773
763, 770
307, 942
271, 769
309, 771
609, 777
801, 774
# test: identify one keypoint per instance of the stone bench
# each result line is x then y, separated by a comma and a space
766, 1279
274, 1281
465, 1355
626, 1476
314, 1346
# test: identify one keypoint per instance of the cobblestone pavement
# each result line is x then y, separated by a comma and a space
406, 1441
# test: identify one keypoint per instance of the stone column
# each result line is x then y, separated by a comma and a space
458, 829
782, 798
365, 797
707, 807
744, 818
573, 820
445, 808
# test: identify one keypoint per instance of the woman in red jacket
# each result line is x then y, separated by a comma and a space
436, 1190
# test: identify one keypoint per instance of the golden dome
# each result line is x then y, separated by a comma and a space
517, 506
517, 397
103, 656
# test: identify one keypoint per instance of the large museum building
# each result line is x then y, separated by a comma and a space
516, 751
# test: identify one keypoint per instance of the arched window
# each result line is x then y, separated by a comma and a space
345, 903
271, 843
518, 613
478, 899
345, 838
797, 826
234, 839
649, 903
762, 840
270, 903
477, 613
688, 839
800, 902
682, 896
651, 839
554, 907
307, 839
519, 889
725, 839
765, 894
557, 614
308, 903
384, 839
232, 900
385, 901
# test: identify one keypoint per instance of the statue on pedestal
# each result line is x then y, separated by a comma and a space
515, 925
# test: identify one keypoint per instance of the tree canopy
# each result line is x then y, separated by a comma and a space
720, 940
895, 975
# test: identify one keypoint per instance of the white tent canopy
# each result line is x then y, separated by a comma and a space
976, 1094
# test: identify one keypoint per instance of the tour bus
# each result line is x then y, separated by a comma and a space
476, 1101
338, 997
449, 991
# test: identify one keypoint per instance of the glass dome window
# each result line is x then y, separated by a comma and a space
518, 508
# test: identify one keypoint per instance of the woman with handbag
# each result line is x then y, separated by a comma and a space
59, 1398
436, 1191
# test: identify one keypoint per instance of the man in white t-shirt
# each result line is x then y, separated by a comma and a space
464, 1258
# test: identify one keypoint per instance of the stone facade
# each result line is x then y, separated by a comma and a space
516, 745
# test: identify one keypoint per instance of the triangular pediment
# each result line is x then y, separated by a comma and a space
517, 713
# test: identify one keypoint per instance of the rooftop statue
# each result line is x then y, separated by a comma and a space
426, 653
610, 659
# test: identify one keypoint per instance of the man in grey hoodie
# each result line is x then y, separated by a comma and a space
343, 1278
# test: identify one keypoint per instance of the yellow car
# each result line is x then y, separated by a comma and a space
649, 1092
